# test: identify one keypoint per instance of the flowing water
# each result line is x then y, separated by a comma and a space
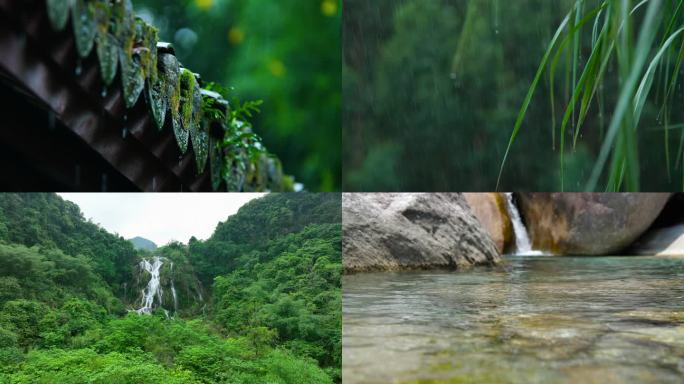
533, 320
153, 288
523, 246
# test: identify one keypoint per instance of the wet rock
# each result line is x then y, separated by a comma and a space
671, 336
653, 316
588, 223
591, 373
546, 336
490, 210
661, 242
394, 231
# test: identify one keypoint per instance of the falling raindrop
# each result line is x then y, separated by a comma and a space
104, 92
21, 38
79, 68
154, 183
103, 183
52, 120
125, 117
124, 133
77, 175
496, 16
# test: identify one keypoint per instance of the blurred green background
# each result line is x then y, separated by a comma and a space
432, 89
284, 52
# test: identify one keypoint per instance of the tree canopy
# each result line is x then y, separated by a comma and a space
258, 308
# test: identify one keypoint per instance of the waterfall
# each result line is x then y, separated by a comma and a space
153, 286
522, 240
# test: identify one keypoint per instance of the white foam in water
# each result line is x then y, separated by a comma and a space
522, 240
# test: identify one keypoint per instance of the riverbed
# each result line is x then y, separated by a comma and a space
536, 319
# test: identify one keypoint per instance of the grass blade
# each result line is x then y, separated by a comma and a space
646, 38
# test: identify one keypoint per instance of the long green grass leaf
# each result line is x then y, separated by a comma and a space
530, 93
646, 38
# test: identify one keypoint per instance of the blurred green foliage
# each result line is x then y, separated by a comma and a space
271, 311
432, 90
284, 52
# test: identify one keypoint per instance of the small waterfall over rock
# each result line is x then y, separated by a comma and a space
522, 240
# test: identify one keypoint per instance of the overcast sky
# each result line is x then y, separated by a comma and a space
160, 217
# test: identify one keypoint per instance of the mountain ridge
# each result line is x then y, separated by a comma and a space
141, 243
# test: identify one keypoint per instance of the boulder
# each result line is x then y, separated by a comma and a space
661, 242
588, 223
490, 210
403, 231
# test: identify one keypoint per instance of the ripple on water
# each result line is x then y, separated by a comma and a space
541, 319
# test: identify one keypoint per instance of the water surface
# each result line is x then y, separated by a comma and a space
536, 319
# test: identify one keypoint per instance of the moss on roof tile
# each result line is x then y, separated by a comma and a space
126, 43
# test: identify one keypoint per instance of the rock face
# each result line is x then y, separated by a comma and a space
490, 211
661, 242
588, 223
395, 231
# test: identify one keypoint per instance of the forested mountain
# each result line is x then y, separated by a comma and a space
259, 301
48, 221
143, 243
256, 225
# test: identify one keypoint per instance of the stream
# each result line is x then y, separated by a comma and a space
535, 319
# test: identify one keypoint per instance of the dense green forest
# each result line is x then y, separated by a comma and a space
257, 302
284, 52
433, 90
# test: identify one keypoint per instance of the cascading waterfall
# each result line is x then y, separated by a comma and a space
522, 240
153, 288
152, 295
